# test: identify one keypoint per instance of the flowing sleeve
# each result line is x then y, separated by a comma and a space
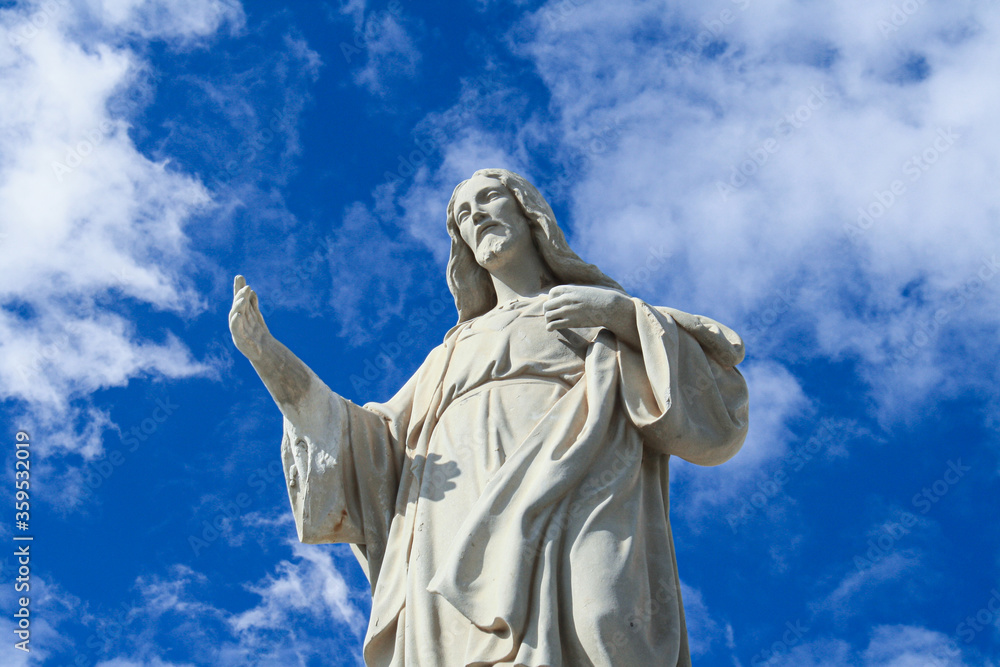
342, 465
682, 389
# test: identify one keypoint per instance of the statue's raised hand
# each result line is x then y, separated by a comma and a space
250, 334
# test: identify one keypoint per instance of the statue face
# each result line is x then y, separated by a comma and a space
491, 222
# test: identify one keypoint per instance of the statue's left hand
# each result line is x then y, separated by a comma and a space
580, 306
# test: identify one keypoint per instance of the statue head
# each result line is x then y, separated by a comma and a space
470, 283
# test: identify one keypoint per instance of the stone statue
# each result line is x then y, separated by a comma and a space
509, 505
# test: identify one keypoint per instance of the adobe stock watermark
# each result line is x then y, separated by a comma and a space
258, 481
598, 142
76, 155
785, 127
407, 164
98, 471
790, 638
365, 35
775, 306
986, 617
955, 300
913, 169
713, 28
109, 632
899, 16
374, 367
768, 488
29, 28
891, 532
642, 272
251, 146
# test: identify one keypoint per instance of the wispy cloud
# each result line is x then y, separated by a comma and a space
888, 646
704, 632
777, 399
152, 661
399, 237
743, 138
753, 132
370, 262
383, 42
842, 602
51, 607
183, 22
91, 225
311, 585
305, 609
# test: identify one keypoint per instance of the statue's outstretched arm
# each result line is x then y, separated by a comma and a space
286, 376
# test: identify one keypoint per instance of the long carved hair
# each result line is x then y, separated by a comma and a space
470, 284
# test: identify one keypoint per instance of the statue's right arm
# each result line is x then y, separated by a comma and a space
286, 377
342, 462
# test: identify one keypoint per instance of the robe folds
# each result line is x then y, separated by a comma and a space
510, 504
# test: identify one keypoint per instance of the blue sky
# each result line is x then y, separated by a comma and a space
820, 176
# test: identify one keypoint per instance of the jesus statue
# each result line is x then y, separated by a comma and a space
509, 504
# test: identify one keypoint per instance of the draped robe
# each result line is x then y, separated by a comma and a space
510, 504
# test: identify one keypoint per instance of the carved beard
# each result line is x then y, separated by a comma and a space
491, 249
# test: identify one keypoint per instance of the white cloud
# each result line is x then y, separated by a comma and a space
833, 109
703, 631
384, 41
908, 646
820, 653
889, 646
777, 398
145, 662
183, 21
89, 224
353, 8
647, 122
844, 601
369, 264
49, 607
305, 612
311, 585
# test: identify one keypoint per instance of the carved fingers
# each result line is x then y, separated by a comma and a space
245, 320
572, 306
582, 306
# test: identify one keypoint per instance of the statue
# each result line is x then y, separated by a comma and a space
510, 504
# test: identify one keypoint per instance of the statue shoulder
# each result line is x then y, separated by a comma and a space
724, 343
